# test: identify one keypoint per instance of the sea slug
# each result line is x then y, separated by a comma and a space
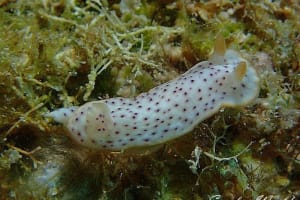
167, 111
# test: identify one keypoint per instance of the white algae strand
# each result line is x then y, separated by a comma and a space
167, 111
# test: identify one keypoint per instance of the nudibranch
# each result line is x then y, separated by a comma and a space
167, 111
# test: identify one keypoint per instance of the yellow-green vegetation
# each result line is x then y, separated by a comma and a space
58, 53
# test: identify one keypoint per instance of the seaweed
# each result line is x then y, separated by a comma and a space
61, 53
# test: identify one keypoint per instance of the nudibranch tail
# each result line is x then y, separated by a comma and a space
166, 111
62, 115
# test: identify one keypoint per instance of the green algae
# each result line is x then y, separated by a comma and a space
62, 53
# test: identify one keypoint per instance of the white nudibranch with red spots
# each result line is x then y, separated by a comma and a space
167, 111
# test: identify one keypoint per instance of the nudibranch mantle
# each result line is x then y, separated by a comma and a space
167, 111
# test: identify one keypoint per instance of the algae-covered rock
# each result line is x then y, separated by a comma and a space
64, 53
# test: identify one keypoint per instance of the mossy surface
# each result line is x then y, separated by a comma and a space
60, 53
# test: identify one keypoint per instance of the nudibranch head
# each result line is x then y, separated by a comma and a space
166, 111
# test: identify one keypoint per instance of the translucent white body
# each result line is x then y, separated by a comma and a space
166, 111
